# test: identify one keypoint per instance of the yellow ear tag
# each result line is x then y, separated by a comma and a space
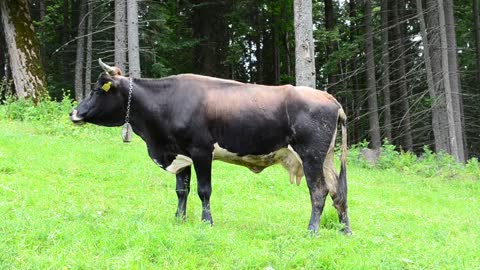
106, 86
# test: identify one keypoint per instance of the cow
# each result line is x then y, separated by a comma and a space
191, 119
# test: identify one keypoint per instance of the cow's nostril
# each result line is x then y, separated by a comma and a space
75, 118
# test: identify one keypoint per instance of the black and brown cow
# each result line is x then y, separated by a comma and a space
190, 120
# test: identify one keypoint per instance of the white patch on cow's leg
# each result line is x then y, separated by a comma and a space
179, 163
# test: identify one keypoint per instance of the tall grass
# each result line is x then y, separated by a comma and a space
78, 198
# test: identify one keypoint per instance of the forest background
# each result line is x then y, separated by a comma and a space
405, 71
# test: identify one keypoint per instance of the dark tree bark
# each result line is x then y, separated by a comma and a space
457, 101
41, 6
88, 56
386, 71
210, 30
331, 46
439, 109
402, 82
276, 54
476, 27
258, 44
80, 58
288, 52
65, 36
437, 132
23, 50
356, 102
374, 131
448, 84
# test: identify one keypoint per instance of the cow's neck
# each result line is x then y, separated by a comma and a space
144, 117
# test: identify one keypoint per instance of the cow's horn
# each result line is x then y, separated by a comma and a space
110, 70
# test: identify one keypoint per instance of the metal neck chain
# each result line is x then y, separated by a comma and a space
127, 117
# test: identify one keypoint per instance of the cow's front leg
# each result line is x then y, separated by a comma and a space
202, 161
183, 189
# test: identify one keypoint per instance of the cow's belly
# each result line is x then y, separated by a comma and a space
287, 157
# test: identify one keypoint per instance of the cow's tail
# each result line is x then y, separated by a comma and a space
342, 178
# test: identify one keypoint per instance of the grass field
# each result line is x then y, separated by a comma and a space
84, 200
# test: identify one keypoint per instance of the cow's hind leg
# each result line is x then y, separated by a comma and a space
202, 161
183, 189
312, 166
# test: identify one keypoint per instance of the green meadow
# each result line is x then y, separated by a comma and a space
78, 198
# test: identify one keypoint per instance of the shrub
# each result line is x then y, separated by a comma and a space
428, 164
25, 110
49, 117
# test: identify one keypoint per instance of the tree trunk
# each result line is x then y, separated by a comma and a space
4, 65
476, 18
258, 45
65, 38
331, 46
276, 54
287, 53
120, 35
304, 47
79, 93
41, 6
374, 130
356, 102
446, 81
23, 49
457, 101
439, 106
403, 91
88, 56
133, 44
386, 71
204, 51
430, 79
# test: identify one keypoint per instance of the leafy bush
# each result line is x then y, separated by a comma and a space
473, 168
50, 117
47, 117
354, 154
428, 164
25, 110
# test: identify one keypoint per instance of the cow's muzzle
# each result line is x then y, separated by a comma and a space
75, 118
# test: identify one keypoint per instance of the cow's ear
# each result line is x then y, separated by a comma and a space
116, 71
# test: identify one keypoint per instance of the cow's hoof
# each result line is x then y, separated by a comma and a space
313, 229
181, 218
210, 222
346, 231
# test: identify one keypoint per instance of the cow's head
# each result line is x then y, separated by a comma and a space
107, 102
